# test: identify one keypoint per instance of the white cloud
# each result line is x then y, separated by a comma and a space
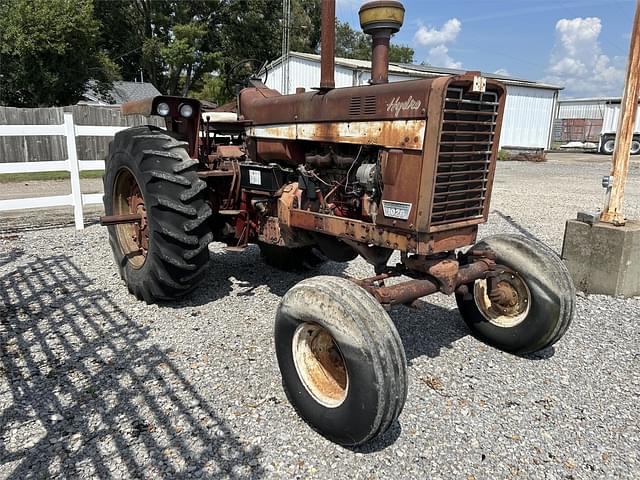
439, 57
431, 37
577, 61
503, 71
438, 40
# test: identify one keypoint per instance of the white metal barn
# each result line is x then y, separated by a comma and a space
529, 110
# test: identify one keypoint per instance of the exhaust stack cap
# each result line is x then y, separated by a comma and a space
383, 15
381, 19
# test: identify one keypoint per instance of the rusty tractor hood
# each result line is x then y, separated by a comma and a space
391, 101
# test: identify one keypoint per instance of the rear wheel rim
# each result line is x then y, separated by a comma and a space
509, 304
133, 238
609, 145
320, 365
635, 147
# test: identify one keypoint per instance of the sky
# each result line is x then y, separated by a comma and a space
581, 45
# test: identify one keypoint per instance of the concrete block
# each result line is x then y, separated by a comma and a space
603, 258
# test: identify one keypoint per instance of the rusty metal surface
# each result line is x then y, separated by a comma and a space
380, 59
397, 100
401, 177
328, 43
138, 107
407, 292
408, 134
364, 232
106, 220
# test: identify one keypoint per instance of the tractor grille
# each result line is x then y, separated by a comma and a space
466, 141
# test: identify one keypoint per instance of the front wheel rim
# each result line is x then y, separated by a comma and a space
320, 365
509, 304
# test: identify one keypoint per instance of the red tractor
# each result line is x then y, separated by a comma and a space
332, 174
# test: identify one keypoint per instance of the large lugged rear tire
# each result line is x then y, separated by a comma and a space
341, 358
150, 173
536, 302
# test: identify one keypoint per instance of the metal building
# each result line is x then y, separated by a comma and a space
529, 110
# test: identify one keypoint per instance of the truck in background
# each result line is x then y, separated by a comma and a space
589, 124
607, 137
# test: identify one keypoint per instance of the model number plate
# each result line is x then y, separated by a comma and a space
399, 210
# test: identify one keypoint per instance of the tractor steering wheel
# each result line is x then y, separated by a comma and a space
247, 69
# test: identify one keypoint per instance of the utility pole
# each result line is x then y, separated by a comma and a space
602, 256
286, 33
628, 109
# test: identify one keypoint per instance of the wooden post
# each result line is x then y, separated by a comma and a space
615, 198
74, 170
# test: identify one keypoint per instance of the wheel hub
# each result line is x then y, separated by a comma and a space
507, 303
133, 238
320, 365
140, 233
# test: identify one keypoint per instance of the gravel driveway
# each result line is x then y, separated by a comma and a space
96, 384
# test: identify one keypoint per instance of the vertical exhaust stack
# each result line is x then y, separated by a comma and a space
381, 19
327, 44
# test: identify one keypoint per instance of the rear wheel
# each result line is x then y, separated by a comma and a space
533, 302
341, 358
150, 174
608, 145
635, 147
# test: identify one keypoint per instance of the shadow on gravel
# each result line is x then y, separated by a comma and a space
522, 230
8, 257
81, 395
428, 329
241, 273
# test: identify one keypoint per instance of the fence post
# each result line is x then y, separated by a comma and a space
74, 169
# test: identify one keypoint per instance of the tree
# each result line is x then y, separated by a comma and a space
48, 51
173, 42
305, 26
355, 44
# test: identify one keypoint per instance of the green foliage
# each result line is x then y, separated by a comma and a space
352, 43
213, 89
48, 50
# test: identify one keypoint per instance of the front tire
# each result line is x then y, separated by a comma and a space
150, 173
342, 361
535, 302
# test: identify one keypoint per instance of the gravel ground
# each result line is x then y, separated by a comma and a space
96, 384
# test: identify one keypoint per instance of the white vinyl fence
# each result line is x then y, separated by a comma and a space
76, 198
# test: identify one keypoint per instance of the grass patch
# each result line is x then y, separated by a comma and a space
35, 176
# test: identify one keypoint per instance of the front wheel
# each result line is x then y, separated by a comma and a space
533, 301
341, 358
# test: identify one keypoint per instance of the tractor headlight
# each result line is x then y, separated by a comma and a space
163, 109
186, 110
